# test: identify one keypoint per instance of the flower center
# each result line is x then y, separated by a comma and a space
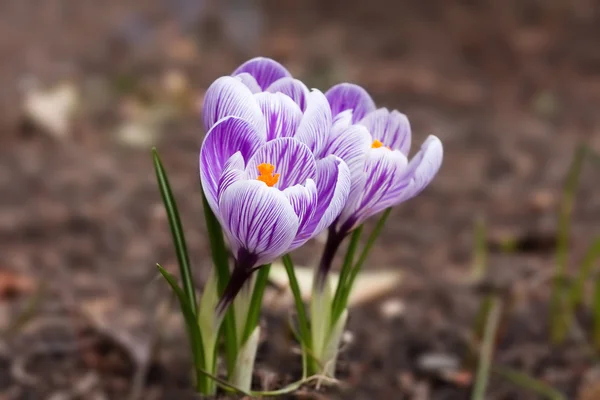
266, 175
377, 144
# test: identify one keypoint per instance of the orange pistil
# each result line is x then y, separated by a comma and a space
266, 174
377, 144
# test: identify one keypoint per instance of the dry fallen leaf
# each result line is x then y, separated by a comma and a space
368, 285
52, 109
13, 284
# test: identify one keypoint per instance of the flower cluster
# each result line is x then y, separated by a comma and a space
280, 163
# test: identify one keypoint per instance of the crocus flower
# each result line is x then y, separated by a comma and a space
260, 172
382, 176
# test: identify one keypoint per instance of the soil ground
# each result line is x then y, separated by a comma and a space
512, 88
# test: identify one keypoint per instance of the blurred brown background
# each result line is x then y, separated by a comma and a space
87, 87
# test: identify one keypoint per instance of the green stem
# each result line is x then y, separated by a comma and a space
221, 263
262, 278
337, 307
361, 260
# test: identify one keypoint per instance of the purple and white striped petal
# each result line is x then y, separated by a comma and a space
259, 219
228, 96
249, 81
382, 168
420, 172
348, 96
233, 171
293, 88
227, 137
333, 186
316, 122
390, 128
292, 159
281, 115
304, 200
264, 70
352, 145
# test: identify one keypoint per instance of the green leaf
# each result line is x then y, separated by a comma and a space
244, 366
176, 232
485, 356
220, 257
262, 278
194, 334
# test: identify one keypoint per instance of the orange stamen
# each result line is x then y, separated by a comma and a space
377, 144
266, 175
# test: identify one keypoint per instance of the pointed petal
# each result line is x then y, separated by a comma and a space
258, 219
348, 96
264, 70
382, 169
293, 88
228, 96
420, 172
281, 115
249, 81
316, 123
333, 187
390, 128
304, 200
292, 160
352, 145
229, 136
233, 171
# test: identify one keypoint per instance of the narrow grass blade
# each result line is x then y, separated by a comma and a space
592, 257
361, 260
337, 307
220, 258
487, 350
193, 330
596, 312
262, 278
479, 330
527, 382
176, 232
304, 330
559, 328
480, 254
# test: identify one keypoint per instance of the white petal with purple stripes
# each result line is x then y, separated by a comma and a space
316, 122
420, 172
390, 128
227, 137
264, 70
281, 115
228, 96
293, 88
303, 199
333, 186
259, 219
348, 96
233, 171
382, 168
249, 81
292, 159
